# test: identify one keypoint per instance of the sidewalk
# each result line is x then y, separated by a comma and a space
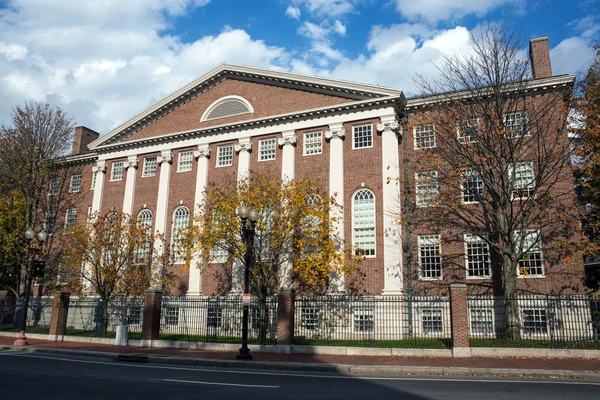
529, 367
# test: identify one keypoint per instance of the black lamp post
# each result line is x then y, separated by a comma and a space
31, 253
248, 234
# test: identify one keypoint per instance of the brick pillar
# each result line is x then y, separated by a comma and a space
459, 318
285, 317
2, 295
58, 320
151, 322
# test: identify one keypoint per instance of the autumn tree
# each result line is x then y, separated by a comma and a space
493, 161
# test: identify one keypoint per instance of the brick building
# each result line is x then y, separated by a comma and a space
237, 120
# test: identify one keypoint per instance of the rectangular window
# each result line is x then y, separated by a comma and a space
219, 253
313, 143
310, 318
49, 222
535, 322
134, 315
75, 186
224, 155
364, 320
482, 321
94, 177
430, 259
362, 136
149, 166
266, 149
185, 161
432, 321
477, 253
70, 218
54, 186
472, 186
172, 316
214, 318
62, 275
116, 173
522, 179
468, 130
427, 188
515, 124
424, 137
532, 262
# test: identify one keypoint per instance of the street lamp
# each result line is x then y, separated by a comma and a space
248, 235
30, 252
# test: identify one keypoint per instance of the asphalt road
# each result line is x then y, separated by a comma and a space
26, 375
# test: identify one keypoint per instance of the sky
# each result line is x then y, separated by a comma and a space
105, 61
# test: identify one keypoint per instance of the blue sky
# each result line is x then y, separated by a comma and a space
103, 61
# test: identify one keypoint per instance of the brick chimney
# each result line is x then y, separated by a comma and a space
540, 58
83, 137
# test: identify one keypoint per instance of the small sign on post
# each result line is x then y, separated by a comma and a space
246, 299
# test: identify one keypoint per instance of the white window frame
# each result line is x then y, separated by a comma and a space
430, 240
466, 139
477, 239
75, 184
50, 220
150, 166
355, 128
523, 120
431, 310
142, 253
535, 334
315, 140
117, 171
310, 318
356, 229
54, 187
473, 313
172, 314
423, 197
364, 317
177, 226
70, 218
222, 156
467, 175
428, 129
185, 162
535, 247
218, 254
529, 187
267, 149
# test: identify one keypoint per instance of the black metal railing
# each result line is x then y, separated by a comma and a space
38, 315
535, 321
217, 319
372, 321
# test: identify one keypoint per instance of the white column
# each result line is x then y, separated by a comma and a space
335, 134
195, 277
243, 148
160, 225
391, 230
99, 170
288, 168
131, 165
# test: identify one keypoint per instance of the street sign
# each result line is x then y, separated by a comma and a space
246, 299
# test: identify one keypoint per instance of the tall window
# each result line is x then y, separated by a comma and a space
363, 222
54, 186
362, 136
181, 217
49, 222
521, 175
144, 220
266, 149
185, 161
468, 130
149, 166
432, 321
535, 321
427, 188
532, 261
424, 137
116, 174
477, 253
70, 218
430, 259
224, 155
94, 177
472, 186
75, 185
313, 143
516, 124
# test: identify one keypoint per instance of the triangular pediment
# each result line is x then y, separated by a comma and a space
232, 93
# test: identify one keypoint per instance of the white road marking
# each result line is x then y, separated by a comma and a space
221, 384
367, 378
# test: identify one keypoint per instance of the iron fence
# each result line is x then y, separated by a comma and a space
372, 321
217, 319
535, 321
38, 315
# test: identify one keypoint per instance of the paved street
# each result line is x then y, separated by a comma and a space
65, 377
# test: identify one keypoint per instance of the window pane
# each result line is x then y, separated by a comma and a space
363, 136
313, 143
427, 188
424, 137
363, 220
430, 259
224, 155
149, 166
266, 149
478, 256
185, 161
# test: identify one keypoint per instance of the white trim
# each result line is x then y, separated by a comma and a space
191, 152
261, 143
439, 243
112, 171
353, 215
415, 147
217, 158
489, 274
320, 132
354, 127
215, 103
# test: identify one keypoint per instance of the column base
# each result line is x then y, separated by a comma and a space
193, 293
392, 292
461, 352
21, 340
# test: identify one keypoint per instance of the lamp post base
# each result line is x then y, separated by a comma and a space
244, 354
21, 339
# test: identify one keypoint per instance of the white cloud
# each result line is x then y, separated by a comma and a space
339, 27
328, 8
313, 31
293, 12
570, 56
439, 10
13, 51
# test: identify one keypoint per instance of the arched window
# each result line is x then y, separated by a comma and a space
227, 106
181, 218
363, 222
144, 220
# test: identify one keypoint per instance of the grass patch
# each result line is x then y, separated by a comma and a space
202, 338
538, 344
42, 330
70, 331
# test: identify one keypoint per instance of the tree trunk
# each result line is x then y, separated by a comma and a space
511, 308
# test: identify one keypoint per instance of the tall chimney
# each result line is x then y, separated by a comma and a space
83, 137
540, 58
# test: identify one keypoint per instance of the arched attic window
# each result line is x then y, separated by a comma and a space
227, 106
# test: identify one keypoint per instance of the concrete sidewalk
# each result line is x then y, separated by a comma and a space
384, 365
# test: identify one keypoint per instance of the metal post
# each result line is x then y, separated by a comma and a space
22, 339
248, 234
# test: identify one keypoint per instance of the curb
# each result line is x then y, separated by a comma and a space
332, 368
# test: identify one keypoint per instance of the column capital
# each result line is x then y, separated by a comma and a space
335, 131
100, 167
132, 162
244, 144
389, 123
288, 137
203, 151
165, 155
